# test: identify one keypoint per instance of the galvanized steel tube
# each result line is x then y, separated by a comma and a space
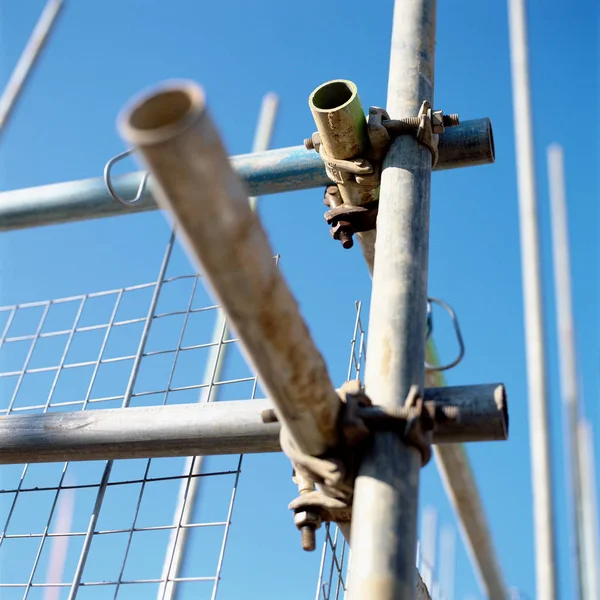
385, 510
204, 429
565, 327
174, 134
272, 172
539, 425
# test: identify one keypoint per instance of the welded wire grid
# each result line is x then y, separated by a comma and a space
105, 529
335, 556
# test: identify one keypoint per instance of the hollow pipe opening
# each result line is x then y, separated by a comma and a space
333, 95
491, 138
501, 401
161, 114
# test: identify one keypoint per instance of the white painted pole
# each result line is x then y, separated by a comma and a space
447, 561
590, 510
541, 471
428, 543
568, 368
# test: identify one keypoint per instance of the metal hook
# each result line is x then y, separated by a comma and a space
459, 337
111, 189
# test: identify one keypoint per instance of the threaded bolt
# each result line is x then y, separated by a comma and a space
346, 239
451, 120
309, 144
309, 541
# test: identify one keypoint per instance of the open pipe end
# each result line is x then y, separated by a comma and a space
162, 113
502, 405
333, 95
491, 139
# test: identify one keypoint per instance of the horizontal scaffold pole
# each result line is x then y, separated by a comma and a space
263, 173
214, 428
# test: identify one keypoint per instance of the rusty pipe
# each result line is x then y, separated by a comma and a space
340, 119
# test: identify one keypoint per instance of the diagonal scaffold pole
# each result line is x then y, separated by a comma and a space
457, 476
384, 521
187, 499
28, 59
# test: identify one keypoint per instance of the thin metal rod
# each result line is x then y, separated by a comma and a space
27, 60
263, 173
214, 368
384, 523
208, 428
541, 469
447, 562
567, 362
428, 545
590, 509
87, 542
174, 134
459, 481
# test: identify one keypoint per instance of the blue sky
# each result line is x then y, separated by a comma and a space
104, 52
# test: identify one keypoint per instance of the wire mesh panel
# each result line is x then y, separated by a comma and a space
335, 556
108, 529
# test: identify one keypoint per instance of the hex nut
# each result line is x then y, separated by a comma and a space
304, 518
437, 121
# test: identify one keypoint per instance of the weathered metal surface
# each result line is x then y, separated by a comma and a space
263, 173
384, 524
181, 430
209, 428
345, 148
483, 407
340, 119
174, 134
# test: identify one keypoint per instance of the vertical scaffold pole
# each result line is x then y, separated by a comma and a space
567, 362
384, 522
541, 469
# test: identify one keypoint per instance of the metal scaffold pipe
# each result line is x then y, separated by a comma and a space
384, 523
457, 476
539, 426
263, 173
565, 327
342, 127
213, 428
174, 134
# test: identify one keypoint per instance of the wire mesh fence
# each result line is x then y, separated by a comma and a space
143, 345
113, 529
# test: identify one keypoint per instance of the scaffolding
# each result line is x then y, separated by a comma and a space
109, 384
